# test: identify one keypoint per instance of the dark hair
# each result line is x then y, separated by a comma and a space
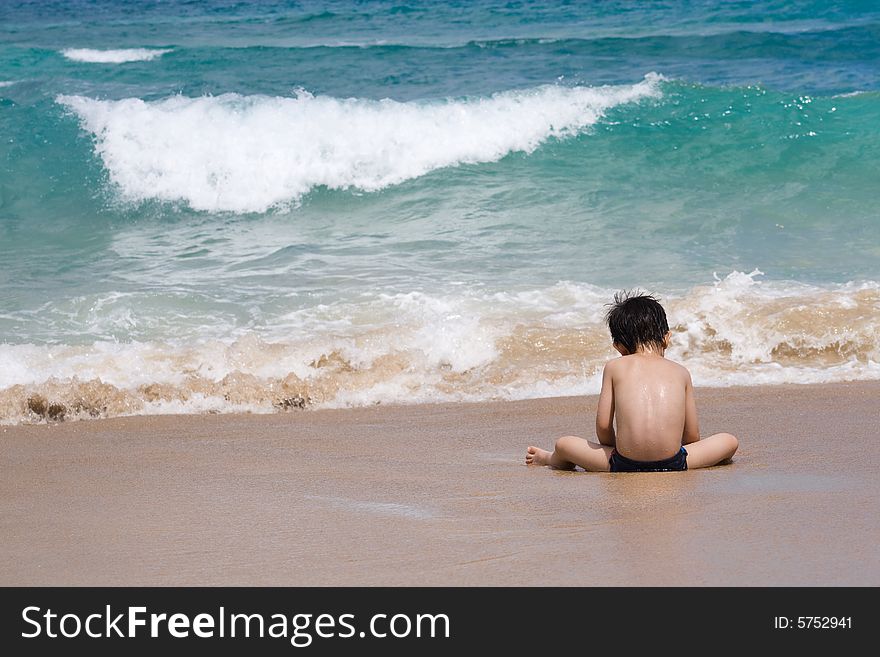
637, 319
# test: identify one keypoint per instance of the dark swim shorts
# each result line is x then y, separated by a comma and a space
620, 463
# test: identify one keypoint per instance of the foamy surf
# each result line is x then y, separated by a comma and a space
121, 56
251, 153
472, 346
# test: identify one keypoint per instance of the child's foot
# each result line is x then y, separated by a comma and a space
537, 456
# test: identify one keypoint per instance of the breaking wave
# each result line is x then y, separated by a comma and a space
252, 153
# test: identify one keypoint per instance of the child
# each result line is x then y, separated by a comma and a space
651, 398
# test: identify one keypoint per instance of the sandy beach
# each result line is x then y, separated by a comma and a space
439, 495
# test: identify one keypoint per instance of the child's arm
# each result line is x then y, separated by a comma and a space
691, 433
605, 411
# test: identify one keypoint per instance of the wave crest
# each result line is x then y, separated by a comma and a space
121, 56
251, 153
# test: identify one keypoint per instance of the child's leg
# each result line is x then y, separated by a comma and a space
711, 450
569, 452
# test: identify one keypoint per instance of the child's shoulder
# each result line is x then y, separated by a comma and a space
613, 365
679, 369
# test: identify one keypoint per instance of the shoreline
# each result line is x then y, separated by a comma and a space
437, 494
294, 407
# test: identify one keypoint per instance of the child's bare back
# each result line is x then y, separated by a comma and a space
650, 397
650, 400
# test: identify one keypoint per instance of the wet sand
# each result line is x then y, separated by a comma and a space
439, 495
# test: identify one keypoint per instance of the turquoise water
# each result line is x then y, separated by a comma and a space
219, 205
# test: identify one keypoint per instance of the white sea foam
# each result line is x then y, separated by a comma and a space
6, 83
468, 346
850, 94
251, 153
120, 56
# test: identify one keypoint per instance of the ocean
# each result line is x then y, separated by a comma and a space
217, 206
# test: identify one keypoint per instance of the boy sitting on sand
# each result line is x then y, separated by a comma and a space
652, 400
